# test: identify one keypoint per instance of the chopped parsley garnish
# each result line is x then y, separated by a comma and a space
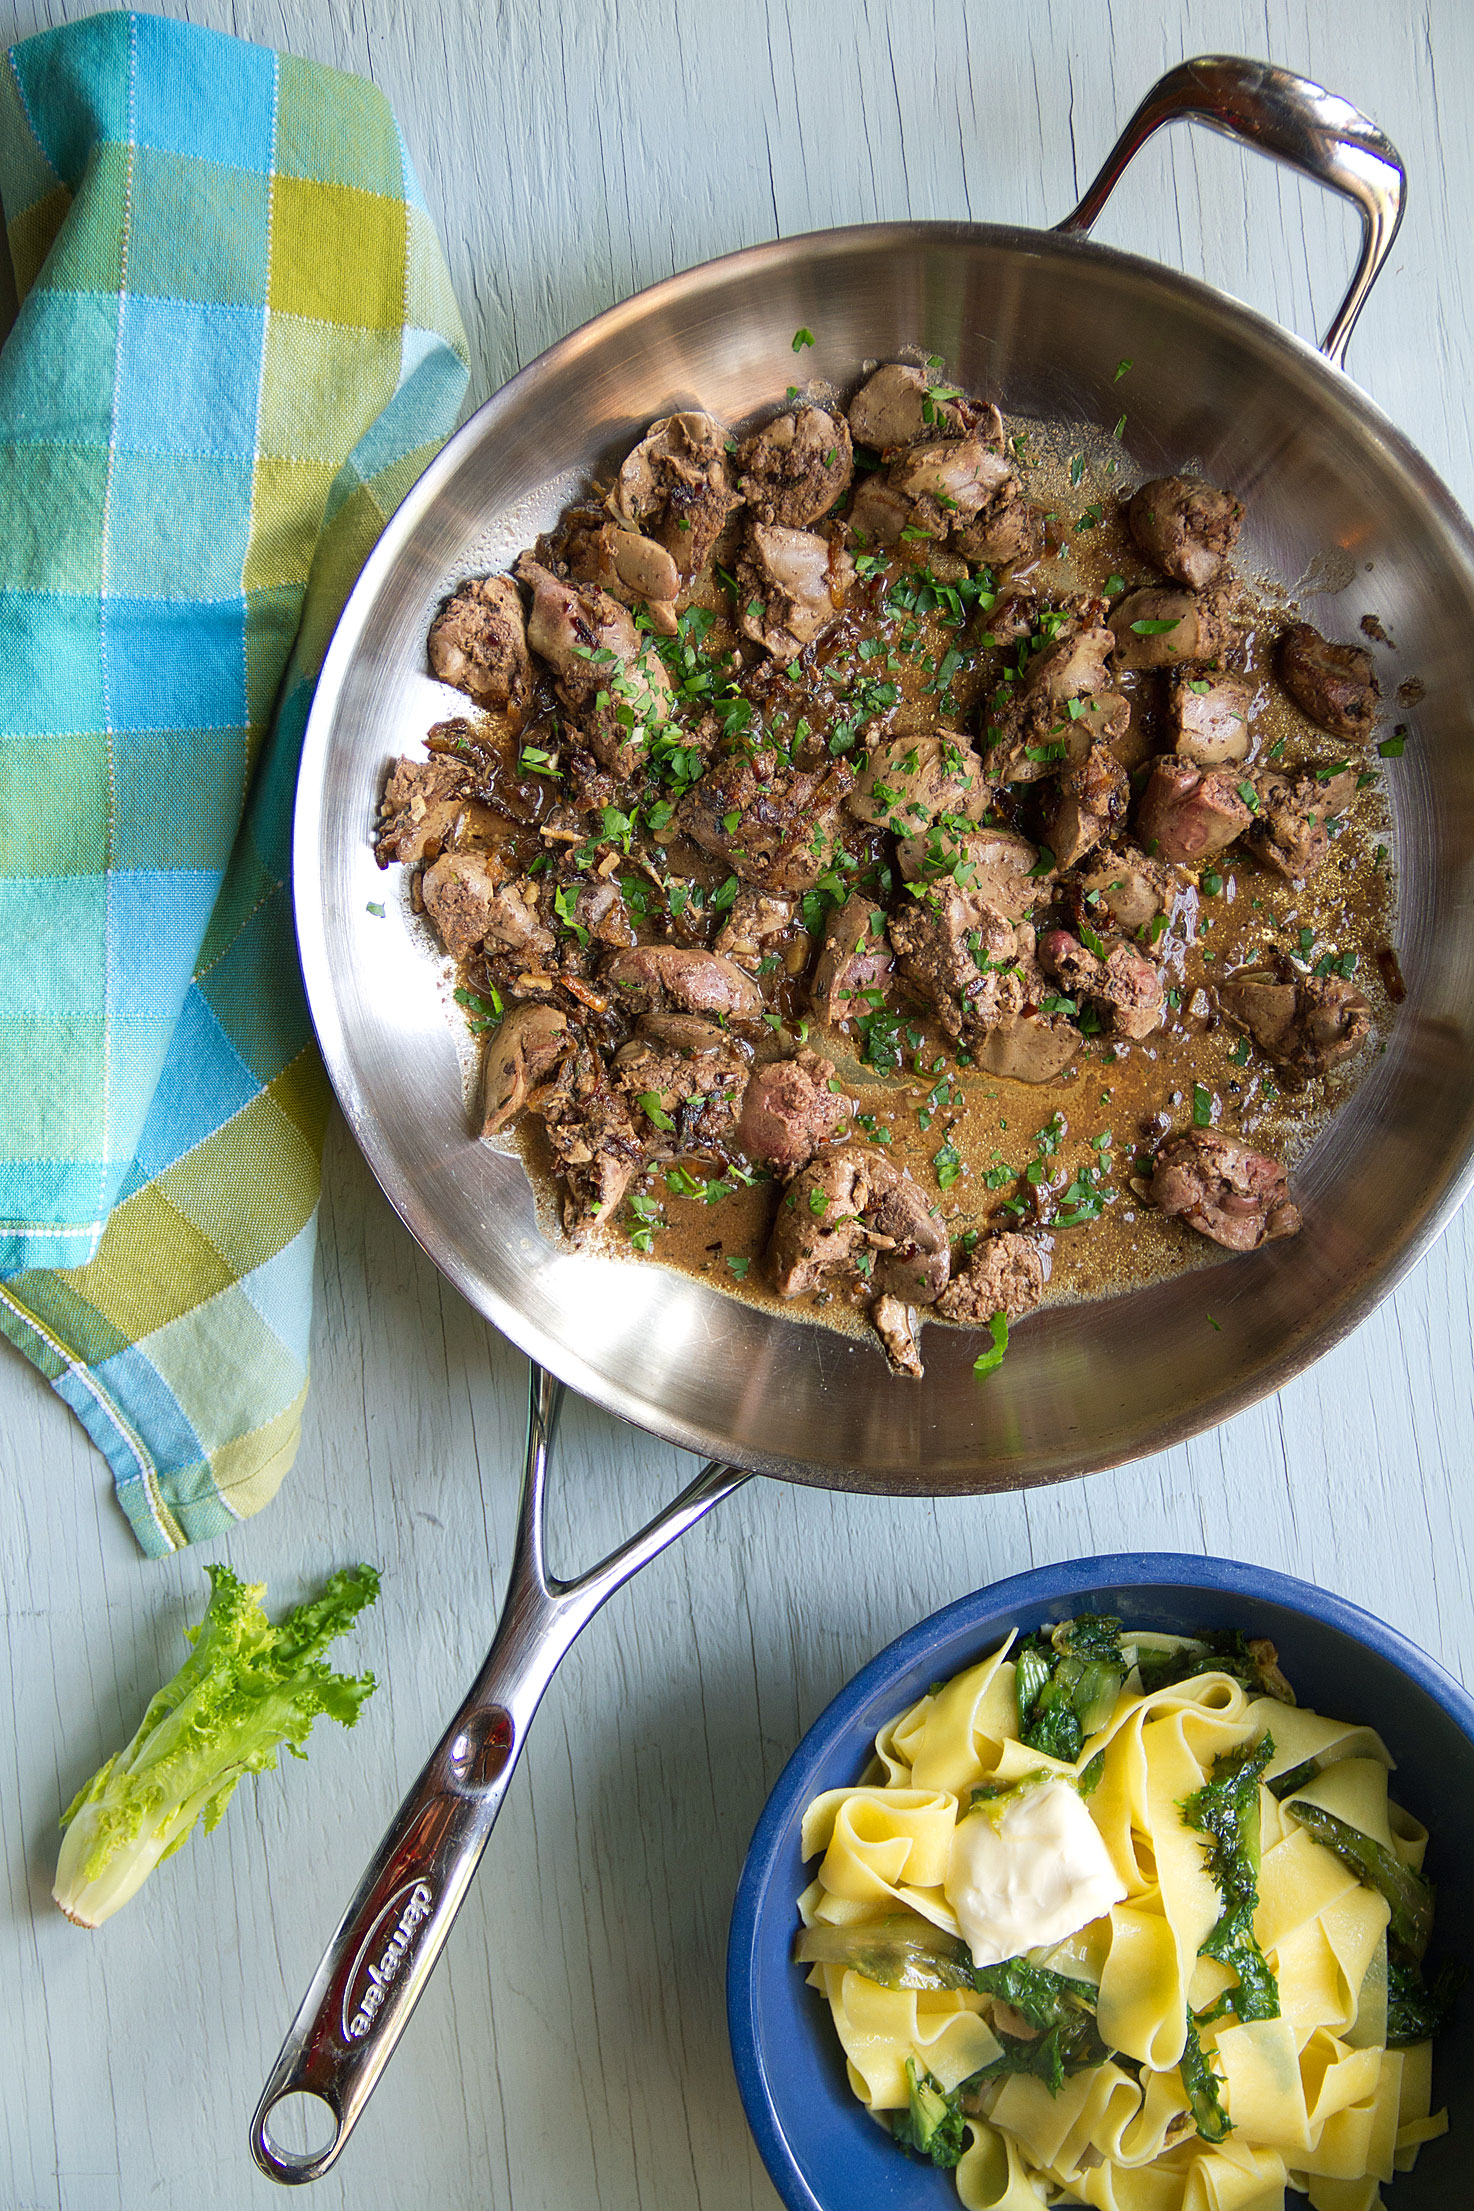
802, 338
987, 1361
645, 1213
948, 1163
485, 1012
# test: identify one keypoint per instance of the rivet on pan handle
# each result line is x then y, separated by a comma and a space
386, 1944
1313, 131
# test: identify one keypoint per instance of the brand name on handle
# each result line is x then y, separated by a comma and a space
380, 1957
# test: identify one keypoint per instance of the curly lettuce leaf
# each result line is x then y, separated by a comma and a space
246, 1688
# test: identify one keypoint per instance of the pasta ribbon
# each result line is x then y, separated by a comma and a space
879, 2028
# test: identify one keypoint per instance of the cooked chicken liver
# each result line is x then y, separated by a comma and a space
1189, 814
478, 642
1186, 528
1335, 685
677, 487
1225, 1190
790, 1109
797, 468
1004, 1273
1296, 817
1304, 1023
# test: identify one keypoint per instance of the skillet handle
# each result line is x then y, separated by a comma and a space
1311, 130
385, 1946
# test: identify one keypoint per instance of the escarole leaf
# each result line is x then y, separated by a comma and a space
1296, 1777
899, 1952
932, 2123
1201, 2084
245, 1688
1067, 1680
1410, 1896
1059, 2009
1043, 1997
1226, 1810
1418, 2009
1253, 1661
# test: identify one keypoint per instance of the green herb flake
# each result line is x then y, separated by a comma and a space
948, 1163
987, 1362
802, 338
485, 1011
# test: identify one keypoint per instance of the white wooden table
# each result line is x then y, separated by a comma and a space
572, 2049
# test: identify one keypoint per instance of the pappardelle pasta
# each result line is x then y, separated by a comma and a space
1112, 1921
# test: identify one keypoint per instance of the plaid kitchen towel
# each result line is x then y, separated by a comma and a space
237, 347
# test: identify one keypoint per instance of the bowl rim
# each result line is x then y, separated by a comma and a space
1069, 1579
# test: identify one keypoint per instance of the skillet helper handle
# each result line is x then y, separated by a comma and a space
385, 1947
1297, 122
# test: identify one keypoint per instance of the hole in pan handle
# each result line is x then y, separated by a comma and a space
1311, 130
386, 1944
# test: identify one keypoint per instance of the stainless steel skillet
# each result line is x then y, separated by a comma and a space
1041, 321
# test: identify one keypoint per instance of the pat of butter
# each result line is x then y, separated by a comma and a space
1041, 1873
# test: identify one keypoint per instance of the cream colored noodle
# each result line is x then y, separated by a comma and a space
1318, 2104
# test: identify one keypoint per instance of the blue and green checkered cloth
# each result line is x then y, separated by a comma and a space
237, 347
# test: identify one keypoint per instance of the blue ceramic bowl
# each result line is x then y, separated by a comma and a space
821, 2150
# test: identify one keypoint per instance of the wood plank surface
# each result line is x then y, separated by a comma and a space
572, 2051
